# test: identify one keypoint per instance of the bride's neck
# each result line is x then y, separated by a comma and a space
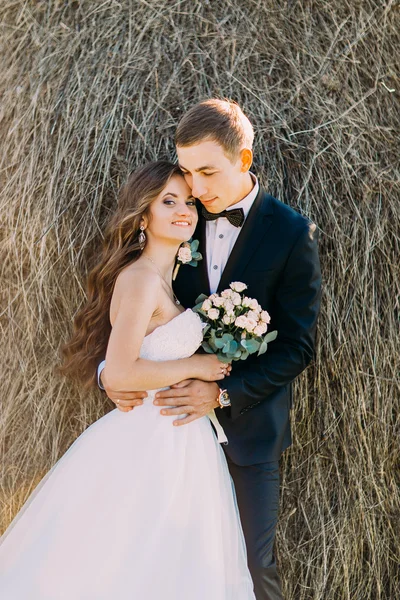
163, 257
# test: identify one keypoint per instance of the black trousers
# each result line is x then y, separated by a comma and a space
257, 491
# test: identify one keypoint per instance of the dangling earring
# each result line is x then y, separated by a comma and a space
142, 237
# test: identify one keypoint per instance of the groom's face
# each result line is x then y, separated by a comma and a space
214, 178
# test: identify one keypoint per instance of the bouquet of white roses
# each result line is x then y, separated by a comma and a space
236, 325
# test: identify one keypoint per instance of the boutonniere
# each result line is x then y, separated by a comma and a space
187, 255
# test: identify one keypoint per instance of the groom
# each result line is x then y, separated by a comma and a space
246, 235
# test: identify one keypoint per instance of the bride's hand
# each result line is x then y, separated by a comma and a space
209, 368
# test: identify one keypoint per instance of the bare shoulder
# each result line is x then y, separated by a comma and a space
137, 276
135, 284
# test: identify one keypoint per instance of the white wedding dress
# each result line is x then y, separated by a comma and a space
136, 509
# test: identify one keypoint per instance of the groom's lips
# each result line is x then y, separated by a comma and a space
207, 201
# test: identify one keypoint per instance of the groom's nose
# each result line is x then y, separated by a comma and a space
198, 187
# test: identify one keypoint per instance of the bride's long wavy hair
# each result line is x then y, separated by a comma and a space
92, 327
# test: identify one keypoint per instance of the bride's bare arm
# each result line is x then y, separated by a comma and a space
138, 299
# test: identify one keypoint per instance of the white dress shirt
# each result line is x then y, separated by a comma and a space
221, 236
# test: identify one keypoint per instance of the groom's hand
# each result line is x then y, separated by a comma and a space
124, 401
191, 397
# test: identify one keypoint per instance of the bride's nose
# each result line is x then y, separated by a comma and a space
183, 209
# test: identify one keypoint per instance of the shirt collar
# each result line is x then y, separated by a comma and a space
247, 202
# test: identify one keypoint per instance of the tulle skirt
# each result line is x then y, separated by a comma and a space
136, 509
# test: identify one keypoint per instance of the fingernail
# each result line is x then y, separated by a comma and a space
156, 396
163, 412
155, 402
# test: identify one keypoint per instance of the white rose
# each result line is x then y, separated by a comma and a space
206, 305
260, 329
250, 325
226, 293
254, 304
213, 314
228, 305
238, 286
265, 317
252, 314
227, 319
236, 299
241, 321
218, 301
184, 255
246, 302
231, 313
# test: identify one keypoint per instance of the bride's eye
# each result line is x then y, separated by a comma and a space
167, 200
191, 202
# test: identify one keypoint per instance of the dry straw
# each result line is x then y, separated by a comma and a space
89, 90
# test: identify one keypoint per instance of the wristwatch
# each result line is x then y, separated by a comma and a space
223, 398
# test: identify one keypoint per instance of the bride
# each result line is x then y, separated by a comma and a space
136, 509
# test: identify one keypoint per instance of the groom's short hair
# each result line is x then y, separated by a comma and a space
221, 121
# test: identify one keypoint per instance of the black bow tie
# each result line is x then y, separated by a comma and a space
234, 216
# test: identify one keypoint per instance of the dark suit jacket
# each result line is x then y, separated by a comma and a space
276, 255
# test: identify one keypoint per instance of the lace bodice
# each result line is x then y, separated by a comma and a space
179, 338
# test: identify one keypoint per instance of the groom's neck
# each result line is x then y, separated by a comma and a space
245, 189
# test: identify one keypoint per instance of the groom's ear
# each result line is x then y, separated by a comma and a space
246, 158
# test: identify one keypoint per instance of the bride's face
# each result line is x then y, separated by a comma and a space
173, 213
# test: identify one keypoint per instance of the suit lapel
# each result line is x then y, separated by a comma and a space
201, 236
254, 229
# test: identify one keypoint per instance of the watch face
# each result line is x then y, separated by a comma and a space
224, 399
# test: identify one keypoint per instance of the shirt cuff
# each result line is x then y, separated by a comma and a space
100, 368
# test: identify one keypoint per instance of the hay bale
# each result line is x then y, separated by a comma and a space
90, 90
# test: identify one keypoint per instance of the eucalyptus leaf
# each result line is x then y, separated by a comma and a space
212, 345
206, 346
250, 345
263, 348
200, 299
219, 342
222, 358
227, 337
230, 347
270, 337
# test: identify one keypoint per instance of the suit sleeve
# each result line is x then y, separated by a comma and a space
297, 304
